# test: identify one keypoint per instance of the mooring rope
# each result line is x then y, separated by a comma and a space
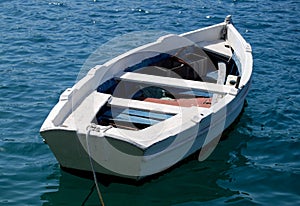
89, 195
92, 166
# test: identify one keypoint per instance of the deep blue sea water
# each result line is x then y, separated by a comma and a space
44, 46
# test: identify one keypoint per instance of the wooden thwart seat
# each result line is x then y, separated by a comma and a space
155, 107
177, 83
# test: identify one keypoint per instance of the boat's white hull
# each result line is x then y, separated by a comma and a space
70, 149
139, 154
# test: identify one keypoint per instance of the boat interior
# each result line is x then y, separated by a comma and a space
154, 89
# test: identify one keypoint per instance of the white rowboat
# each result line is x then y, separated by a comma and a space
149, 108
